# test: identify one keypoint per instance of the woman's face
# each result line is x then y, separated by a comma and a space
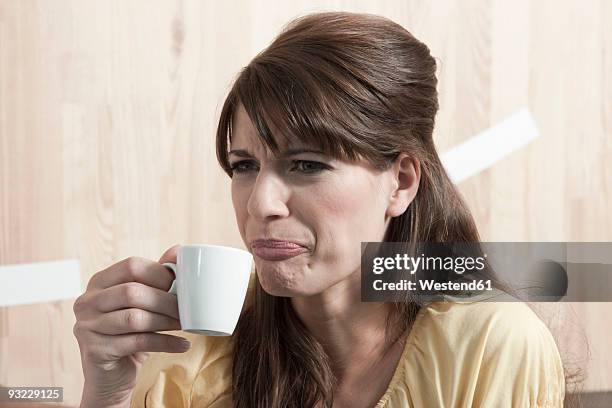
326, 206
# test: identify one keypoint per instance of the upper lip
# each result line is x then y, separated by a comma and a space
275, 242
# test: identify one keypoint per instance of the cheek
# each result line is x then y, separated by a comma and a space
346, 214
350, 203
239, 201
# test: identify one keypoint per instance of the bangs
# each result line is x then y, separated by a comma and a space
290, 106
287, 105
303, 94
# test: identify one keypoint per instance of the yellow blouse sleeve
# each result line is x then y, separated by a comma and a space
485, 354
177, 380
521, 364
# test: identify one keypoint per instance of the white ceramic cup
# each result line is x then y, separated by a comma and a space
211, 285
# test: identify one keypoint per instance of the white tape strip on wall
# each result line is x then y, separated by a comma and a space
39, 282
490, 146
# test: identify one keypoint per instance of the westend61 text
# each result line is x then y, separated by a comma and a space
429, 285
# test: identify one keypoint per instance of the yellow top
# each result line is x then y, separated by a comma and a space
458, 354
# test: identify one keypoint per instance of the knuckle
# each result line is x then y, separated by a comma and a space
77, 306
141, 341
92, 280
82, 303
76, 330
134, 319
134, 265
79, 330
133, 292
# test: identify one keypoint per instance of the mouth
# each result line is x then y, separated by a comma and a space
276, 250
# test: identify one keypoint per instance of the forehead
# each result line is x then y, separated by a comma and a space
245, 135
244, 132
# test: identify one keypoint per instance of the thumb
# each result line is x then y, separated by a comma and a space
169, 255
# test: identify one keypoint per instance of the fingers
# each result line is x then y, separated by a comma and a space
169, 255
101, 348
128, 344
130, 295
119, 313
133, 269
131, 321
138, 270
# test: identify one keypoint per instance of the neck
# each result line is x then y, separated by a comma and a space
351, 332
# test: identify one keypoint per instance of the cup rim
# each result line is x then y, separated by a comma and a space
243, 251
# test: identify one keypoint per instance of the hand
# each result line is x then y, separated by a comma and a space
117, 317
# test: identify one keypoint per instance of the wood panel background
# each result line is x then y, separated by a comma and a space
107, 119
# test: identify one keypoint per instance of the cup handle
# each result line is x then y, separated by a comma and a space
172, 267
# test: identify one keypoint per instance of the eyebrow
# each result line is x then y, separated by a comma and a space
284, 153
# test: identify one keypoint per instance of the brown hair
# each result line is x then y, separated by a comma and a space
353, 85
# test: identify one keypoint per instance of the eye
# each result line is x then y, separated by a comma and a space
309, 167
242, 166
301, 166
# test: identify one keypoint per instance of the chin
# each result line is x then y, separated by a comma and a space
276, 283
280, 282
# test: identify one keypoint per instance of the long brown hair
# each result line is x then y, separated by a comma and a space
353, 85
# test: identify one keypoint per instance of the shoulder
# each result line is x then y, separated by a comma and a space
491, 323
200, 376
484, 354
484, 329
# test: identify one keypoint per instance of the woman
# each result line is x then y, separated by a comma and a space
327, 138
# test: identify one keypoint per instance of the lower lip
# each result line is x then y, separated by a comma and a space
278, 254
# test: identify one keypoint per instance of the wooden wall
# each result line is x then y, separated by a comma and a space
107, 119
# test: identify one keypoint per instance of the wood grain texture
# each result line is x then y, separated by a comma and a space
107, 121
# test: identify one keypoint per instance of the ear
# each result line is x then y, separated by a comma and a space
406, 175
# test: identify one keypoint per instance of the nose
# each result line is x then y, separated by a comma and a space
268, 197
